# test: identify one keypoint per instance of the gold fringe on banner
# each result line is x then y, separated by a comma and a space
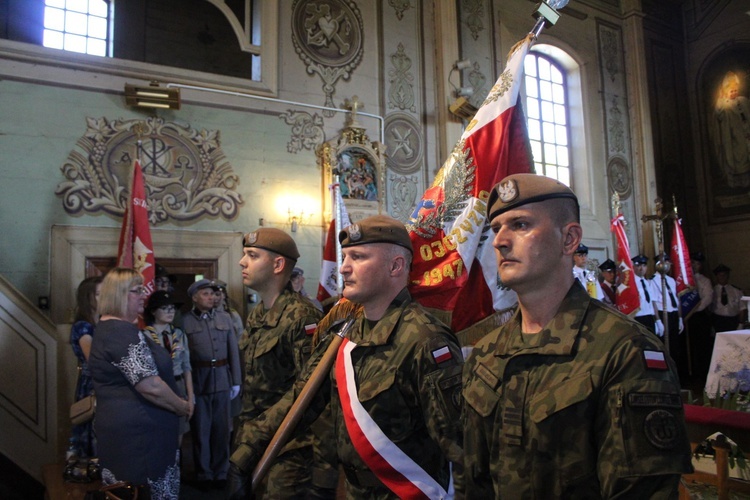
530, 37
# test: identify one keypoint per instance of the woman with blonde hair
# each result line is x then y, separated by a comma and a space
83, 442
138, 409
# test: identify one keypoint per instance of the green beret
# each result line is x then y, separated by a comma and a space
274, 240
376, 229
519, 189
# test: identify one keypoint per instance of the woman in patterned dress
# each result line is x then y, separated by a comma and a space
81, 334
138, 409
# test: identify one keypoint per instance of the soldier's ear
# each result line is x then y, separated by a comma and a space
572, 236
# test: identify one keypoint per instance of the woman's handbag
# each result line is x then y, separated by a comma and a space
83, 410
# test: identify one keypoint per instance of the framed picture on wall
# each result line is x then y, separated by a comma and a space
725, 100
360, 166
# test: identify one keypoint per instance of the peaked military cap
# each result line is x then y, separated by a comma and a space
640, 259
274, 240
721, 268
297, 271
582, 249
200, 285
608, 265
160, 298
698, 256
663, 258
376, 229
519, 189
220, 285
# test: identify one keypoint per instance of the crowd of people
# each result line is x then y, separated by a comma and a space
569, 398
719, 307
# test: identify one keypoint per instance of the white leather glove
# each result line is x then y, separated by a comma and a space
234, 391
659, 328
682, 326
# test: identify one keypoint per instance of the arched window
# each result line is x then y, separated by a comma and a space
547, 116
78, 26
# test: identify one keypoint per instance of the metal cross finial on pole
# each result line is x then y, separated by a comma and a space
661, 265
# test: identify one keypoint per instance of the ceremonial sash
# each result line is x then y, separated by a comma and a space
393, 467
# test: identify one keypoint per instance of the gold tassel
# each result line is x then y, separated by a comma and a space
341, 310
518, 45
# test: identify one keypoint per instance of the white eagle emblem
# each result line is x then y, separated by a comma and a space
355, 234
508, 191
251, 238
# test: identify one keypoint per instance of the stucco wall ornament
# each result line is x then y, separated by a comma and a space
399, 6
328, 37
185, 171
474, 14
401, 93
403, 196
307, 130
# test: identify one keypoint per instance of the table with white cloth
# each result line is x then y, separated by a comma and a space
730, 363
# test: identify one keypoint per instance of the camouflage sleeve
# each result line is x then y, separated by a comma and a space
640, 426
477, 481
440, 364
255, 434
301, 334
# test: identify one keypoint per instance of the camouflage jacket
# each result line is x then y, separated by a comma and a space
414, 399
275, 347
586, 408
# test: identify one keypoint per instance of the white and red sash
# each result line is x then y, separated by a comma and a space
402, 475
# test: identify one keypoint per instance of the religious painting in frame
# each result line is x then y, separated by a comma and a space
725, 100
360, 166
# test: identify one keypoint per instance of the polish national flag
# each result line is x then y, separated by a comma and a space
455, 268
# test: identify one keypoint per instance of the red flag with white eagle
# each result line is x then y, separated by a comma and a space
687, 292
328, 286
628, 300
136, 249
455, 267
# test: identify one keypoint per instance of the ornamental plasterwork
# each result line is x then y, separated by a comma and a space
477, 79
616, 128
403, 141
401, 93
328, 37
185, 171
610, 51
403, 196
474, 14
307, 130
399, 6
618, 175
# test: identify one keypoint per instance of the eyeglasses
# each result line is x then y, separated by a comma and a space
167, 309
139, 290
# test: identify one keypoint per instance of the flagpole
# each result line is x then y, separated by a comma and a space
335, 189
679, 308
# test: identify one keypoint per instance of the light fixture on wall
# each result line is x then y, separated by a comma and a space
152, 96
296, 219
461, 107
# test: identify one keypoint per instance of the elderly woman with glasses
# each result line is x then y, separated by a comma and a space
138, 408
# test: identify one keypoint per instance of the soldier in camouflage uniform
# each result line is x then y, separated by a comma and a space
407, 367
569, 399
275, 346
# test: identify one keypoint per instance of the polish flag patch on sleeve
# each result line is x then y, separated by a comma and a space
310, 329
655, 360
441, 355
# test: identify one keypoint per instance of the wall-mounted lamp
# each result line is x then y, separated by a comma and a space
297, 219
152, 96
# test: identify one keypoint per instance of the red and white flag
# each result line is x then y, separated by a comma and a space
455, 267
329, 271
628, 300
136, 249
683, 271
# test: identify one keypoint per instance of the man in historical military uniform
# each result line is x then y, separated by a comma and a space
395, 386
569, 399
216, 381
276, 345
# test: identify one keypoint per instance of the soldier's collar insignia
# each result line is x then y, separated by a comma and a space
508, 191
355, 233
